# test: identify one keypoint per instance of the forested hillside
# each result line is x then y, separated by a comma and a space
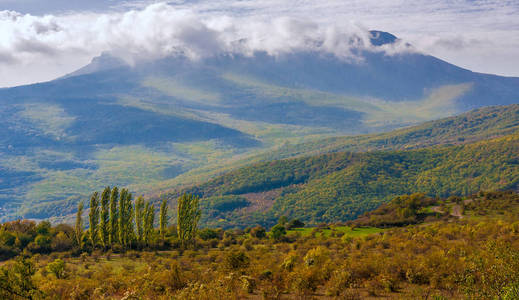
341, 186
476, 125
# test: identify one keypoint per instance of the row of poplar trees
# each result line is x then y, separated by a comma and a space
115, 219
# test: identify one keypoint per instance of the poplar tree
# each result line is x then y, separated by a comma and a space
139, 206
78, 230
149, 220
104, 220
122, 219
163, 218
93, 218
125, 218
128, 231
145, 223
114, 198
188, 215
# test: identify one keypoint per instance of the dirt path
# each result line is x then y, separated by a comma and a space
456, 211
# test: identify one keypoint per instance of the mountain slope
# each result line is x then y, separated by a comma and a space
480, 124
341, 186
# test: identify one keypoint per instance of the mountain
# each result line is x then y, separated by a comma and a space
341, 186
145, 126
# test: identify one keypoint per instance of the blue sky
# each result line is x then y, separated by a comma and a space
44, 39
40, 7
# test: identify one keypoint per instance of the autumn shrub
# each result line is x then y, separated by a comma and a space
316, 257
340, 281
236, 260
247, 245
258, 232
305, 281
290, 261
57, 267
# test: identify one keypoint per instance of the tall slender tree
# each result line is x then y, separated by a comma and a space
129, 233
93, 218
114, 198
104, 229
139, 214
126, 211
188, 215
78, 230
122, 217
163, 218
148, 223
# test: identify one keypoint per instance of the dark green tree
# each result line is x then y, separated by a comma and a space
188, 215
104, 230
148, 223
139, 214
129, 230
126, 211
122, 217
278, 232
114, 198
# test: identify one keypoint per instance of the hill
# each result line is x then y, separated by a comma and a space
417, 208
479, 124
341, 186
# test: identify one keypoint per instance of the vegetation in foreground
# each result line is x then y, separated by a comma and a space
444, 255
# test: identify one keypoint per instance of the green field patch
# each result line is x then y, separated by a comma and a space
50, 119
345, 230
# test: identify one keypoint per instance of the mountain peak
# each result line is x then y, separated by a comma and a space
379, 38
103, 62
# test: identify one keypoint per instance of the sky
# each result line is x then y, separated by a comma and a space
44, 39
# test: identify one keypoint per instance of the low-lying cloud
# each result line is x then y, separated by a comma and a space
161, 30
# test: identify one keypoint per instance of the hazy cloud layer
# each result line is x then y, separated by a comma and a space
480, 35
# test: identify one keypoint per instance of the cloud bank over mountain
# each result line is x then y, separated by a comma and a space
41, 47
161, 30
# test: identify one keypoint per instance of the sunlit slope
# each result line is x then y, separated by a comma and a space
480, 124
341, 186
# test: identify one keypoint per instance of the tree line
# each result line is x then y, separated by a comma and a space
116, 220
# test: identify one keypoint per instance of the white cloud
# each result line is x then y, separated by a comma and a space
36, 48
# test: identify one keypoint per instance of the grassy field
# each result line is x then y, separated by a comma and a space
346, 230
